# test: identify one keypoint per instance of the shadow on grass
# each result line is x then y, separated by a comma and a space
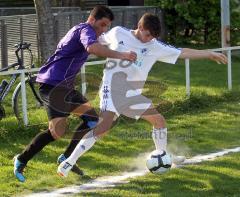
199, 101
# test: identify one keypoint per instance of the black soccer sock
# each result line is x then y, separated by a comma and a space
36, 145
77, 136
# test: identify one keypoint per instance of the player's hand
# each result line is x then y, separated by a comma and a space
218, 57
130, 56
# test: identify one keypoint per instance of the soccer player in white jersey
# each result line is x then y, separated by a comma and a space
123, 82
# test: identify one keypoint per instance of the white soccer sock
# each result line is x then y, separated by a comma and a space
83, 146
160, 138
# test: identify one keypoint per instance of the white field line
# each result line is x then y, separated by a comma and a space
112, 181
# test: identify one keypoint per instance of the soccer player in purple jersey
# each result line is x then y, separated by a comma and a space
56, 78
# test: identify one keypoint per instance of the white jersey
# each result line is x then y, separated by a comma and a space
123, 40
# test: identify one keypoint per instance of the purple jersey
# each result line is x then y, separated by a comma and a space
70, 55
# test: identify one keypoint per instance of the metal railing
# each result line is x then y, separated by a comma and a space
229, 66
83, 78
23, 88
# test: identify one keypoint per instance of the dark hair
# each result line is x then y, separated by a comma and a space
100, 11
151, 23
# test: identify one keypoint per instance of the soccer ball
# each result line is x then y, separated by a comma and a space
159, 162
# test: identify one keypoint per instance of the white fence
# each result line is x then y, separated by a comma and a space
229, 65
84, 85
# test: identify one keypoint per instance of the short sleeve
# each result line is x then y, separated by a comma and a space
104, 39
166, 53
107, 38
88, 36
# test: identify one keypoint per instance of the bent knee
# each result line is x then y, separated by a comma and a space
159, 122
57, 127
56, 134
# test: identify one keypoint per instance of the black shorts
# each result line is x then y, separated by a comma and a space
60, 101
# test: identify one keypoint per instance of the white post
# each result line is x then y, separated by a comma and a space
229, 70
225, 23
83, 80
83, 74
24, 100
187, 68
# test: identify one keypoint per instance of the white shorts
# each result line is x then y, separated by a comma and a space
132, 105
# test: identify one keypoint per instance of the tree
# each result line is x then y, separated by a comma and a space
45, 28
194, 21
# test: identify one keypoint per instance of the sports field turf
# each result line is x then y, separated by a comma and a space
208, 121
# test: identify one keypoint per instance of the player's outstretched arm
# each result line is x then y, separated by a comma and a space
202, 54
103, 51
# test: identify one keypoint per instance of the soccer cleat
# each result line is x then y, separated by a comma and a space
178, 159
74, 169
64, 168
18, 169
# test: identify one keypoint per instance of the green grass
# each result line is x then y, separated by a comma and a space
214, 178
207, 121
